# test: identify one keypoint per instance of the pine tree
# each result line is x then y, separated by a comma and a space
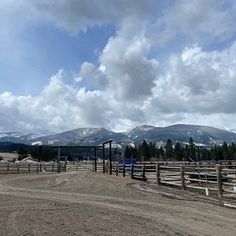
145, 151
225, 150
152, 148
127, 152
168, 150
178, 152
160, 153
191, 150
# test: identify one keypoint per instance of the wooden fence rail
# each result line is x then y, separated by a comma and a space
17, 168
215, 179
30, 167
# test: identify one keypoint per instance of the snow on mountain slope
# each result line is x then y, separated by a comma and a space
19, 137
83, 136
203, 135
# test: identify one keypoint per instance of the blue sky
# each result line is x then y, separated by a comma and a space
116, 64
42, 50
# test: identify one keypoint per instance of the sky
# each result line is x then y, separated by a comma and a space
67, 64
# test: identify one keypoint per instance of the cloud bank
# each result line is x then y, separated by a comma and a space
130, 83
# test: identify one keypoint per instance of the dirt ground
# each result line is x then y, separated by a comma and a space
85, 203
8, 155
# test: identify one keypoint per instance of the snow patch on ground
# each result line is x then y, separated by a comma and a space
178, 197
229, 205
37, 143
50, 142
151, 190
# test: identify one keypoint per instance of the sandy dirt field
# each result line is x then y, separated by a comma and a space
85, 203
8, 156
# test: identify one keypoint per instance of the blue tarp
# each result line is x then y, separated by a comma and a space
127, 161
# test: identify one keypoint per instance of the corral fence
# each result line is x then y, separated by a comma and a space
33, 167
214, 179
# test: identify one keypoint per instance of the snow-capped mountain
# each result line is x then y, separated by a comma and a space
10, 137
83, 136
20, 137
233, 131
202, 135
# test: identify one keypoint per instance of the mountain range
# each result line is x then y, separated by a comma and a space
202, 135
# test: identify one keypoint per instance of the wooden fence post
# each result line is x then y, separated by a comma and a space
103, 159
182, 177
132, 171
117, 169
107, 166
110, 158
219, 180
29, 167
17, 168
53, 166
65, 165
77, 165
143, 172
158, 173
8, 166
95, 159
40, 167
58, 159
123, 169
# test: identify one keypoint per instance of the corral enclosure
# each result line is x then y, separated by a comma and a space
206, 177
84, 202
156, 198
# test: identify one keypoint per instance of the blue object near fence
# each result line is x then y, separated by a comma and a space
127, 161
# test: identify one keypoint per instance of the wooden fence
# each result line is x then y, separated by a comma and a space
10, 168
32, 167
213, 179
80, 166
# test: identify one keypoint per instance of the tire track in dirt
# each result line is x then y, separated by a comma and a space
99, 201
118, 196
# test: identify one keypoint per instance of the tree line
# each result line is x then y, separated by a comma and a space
49, 153
40, 153
144, 152
180, 152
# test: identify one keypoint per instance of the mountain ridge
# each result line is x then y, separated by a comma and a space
204, 135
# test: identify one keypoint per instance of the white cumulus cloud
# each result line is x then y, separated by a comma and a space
130, 84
